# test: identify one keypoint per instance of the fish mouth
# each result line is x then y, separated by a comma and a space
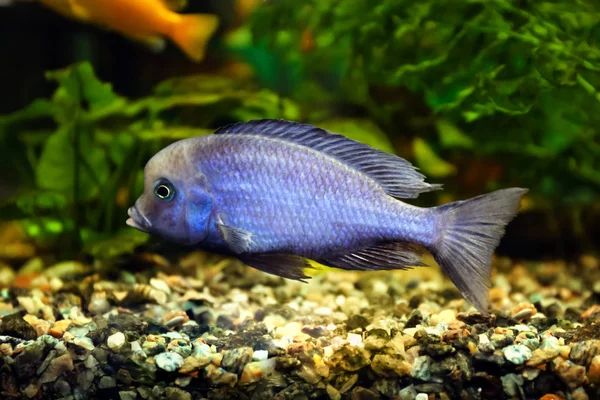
137, 220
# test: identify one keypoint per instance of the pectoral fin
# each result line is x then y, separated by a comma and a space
285, 265
238, 240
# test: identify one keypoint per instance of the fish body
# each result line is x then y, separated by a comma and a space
146, 21
295, 200
275, 193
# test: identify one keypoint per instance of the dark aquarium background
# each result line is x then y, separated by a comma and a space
480, 95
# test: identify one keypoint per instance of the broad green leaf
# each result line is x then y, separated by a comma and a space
79, 82
429, 162
56, 168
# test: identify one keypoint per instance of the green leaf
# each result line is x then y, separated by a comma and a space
39, 108
79, 82
56, 168
429, 162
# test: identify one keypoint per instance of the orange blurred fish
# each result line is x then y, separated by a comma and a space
146, 21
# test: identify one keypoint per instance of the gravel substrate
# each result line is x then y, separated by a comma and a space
147, 328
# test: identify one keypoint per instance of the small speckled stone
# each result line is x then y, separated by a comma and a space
408, 393
517, 354
169, 361
421, 368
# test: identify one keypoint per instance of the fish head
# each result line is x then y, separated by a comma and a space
176, 203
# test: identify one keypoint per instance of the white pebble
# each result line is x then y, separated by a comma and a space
354, 339
260, 355
161, 285
116, 341
422, 396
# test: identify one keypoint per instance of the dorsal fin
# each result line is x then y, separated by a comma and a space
397, 177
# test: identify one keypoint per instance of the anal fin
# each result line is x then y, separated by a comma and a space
383, 256
285, 265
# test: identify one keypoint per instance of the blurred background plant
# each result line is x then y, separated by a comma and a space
479, 95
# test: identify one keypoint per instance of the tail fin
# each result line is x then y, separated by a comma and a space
192, 33
470, 231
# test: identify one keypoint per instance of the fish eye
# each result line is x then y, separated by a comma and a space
164, 190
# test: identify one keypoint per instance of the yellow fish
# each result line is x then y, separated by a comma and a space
146, 21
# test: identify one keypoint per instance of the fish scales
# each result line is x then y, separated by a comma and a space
295, 199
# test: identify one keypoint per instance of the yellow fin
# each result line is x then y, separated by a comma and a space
192, 33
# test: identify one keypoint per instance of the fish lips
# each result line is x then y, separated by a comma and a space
137, 220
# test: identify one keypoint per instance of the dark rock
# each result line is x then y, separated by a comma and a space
553, 310
414, 319
286, 363
225, 322
27, 362
485, 386
505, 341
14, 325
226, 394
260, 315
573, 314
488, 362
297, 391
265, 342
349, 358
438, 350
389, 388
361, 393
356, 321
130, 324
474, 317
248, 338
235, 360
430, 387
415, 301
316, 331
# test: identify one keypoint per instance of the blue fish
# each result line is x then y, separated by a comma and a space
275, 193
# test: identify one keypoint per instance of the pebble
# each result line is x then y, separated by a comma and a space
511, 383
260, 355
116, 341
84, 342
593, 372
107, 382
390, 366
422, 396
421, 368
572, 375
127, 395
517, 354
57, 367
169, 361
